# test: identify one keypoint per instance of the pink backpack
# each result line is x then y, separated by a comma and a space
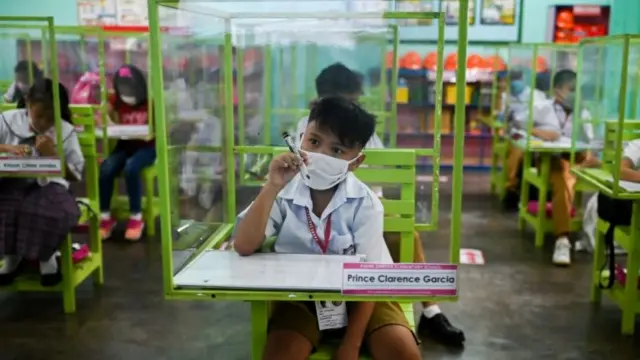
87, 92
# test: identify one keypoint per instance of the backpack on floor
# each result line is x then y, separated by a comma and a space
617, 213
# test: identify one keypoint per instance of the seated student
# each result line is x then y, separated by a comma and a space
291, 208
630, 165
339, 80
37, 214
517, 115
553, 120
129, 105
22, 83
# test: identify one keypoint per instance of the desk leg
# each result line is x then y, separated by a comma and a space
524, 189
633, 265
598, 260
259, 323
541, 218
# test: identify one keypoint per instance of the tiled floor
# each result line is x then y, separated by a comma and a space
517, 306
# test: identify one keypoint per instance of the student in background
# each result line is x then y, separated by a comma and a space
338, 80
129, 105
37, 214
553, 120
291, 208
23, 81
517, 115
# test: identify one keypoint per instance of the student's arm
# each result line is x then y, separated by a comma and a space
11, 92
630, 158
74, 159
369, 241
546, 125
261, 220
546, 135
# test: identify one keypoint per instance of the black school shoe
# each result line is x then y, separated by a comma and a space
7, 279
511, 200
49, 280
440, 329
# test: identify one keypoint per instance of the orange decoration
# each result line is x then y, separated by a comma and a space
451, 61
541, 64
564, 19
475, 61
412, 61
431, 61
495, 63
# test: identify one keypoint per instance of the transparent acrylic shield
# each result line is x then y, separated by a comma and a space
521, 81
258, 81
19, 36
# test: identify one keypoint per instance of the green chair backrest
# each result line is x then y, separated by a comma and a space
84, 121
7, 107
392, 167
630, 131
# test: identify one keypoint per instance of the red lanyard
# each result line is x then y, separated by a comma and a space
324, 245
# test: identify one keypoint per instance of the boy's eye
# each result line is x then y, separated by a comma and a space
313, 141
337, 151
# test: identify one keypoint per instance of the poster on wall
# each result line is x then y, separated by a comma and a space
97, 12
416, 6
498, 12
132, 13
450, 9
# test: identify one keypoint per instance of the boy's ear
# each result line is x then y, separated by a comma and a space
357, 162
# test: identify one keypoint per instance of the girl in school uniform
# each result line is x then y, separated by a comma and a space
129, 105
36, 214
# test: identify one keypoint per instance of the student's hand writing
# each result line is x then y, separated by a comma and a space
347, 352
45, 146
19, 150
283, 168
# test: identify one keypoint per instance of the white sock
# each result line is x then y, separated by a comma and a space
431, 311
9, 264
49, 267
136, 216
105, 216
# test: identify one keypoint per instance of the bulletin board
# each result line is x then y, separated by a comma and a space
112, 12
490, 21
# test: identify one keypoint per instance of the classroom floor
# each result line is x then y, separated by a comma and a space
517, 306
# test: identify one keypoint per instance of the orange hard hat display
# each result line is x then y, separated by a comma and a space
412, 60
564, 19
475, 61
541, 64
431, 61
451, 61
495, 63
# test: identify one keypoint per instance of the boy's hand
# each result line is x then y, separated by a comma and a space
347, 352
45, 145
283, 168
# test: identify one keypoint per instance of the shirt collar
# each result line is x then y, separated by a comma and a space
299, 193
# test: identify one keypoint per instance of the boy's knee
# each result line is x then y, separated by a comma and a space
131, 170
287, 345
108, 170
394, 342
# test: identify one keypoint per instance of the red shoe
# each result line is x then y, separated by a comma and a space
134, 229
106, 227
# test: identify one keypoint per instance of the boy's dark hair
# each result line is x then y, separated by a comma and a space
543, 82
23, 67
137, 82
516, 75
563, 77
337, 79
350, 123
42, 92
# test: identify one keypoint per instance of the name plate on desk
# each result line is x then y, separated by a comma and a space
125, 131
30, 165
399, 279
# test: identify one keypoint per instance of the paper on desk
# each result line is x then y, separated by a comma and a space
228, 270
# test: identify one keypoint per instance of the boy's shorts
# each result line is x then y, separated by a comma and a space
300, 317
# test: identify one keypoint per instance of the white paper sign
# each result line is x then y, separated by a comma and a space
399, 279
125, 131
30, 165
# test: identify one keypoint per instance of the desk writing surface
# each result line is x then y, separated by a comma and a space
271, 271
563, 144
607, 177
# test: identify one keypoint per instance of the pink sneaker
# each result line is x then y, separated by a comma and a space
134, 229
106, 227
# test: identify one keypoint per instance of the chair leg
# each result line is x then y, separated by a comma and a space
150, 210
95, 243
259, 323
67, 271
598, 260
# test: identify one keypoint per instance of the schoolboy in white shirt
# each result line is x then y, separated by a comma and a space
331, 202
339, 80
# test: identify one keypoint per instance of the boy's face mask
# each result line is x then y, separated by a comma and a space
325, 171
568, 100
517, 87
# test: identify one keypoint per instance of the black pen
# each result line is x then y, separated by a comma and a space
294, 149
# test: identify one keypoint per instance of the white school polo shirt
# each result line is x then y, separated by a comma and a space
551, 116
15, 127
518, 107
632, 152
356, 215
374, 143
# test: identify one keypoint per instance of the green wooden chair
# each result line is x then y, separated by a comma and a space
74, 274
386, 167
625, 296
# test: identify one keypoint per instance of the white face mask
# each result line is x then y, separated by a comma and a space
130, 100
325, 171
